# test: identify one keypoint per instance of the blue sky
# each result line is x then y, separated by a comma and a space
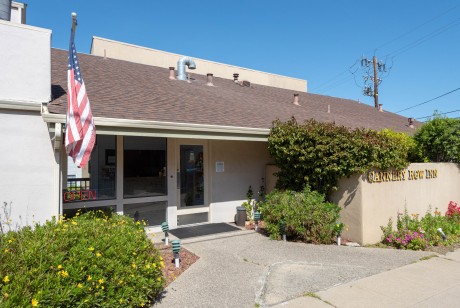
314, 40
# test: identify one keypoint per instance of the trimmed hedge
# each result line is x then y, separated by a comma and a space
93, 259
319, 154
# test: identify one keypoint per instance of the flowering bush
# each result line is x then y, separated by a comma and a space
93, 259
406, 239
453, 211
418, 234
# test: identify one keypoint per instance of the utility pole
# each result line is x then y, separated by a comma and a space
376, 83
372, 89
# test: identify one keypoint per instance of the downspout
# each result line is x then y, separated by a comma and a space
181, 74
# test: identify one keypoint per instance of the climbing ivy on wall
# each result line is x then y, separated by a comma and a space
319, 154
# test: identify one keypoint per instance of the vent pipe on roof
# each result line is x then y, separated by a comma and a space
181, 67
5, 10
235, 77
171, 73
296, 99
411, 122
380, 108
209, 82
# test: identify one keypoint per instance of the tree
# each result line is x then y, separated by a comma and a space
439, 139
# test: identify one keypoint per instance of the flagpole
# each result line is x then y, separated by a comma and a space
74, 22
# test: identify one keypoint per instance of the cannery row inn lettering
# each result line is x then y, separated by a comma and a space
401, 175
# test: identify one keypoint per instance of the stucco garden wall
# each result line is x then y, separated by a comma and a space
369, 200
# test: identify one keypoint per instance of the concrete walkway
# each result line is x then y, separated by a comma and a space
250, 270
430, 283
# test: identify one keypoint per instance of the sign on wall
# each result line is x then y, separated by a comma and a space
401, 175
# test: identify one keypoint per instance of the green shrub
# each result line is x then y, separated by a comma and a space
319, 154
93, 259
438, 139
307, 217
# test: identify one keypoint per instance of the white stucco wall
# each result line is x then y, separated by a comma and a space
27, 167
25, 64
244, 165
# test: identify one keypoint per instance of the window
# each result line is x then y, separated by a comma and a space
97, 180
144, 167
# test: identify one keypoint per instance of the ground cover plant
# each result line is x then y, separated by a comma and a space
305, 215
416, 233
94, 259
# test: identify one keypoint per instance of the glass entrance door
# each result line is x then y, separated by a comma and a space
191, 176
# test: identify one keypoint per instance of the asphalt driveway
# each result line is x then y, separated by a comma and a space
251, 270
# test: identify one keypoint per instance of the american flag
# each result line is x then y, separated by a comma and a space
80, 130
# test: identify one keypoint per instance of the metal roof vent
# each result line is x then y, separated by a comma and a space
209, 81
296, 99
246, 83
171, 73
411, 122
5, 10
235, 77
181, 72
380, 108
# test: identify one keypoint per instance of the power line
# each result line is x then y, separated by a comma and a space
430, 100
335, 77
439, 114
425, 38
413, 29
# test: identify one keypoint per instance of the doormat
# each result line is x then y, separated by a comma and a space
202, 230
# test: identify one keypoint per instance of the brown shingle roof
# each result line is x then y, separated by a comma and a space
126, 90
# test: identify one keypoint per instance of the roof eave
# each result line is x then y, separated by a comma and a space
128, 127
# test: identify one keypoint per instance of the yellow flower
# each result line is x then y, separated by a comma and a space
64, 274
162, 264
142, 304
159, 278
91, 248
5, 295
98, 254
34, 302
6, 279
120, 281
89, 278
134, 265
161, 258
79, 285
147, 266
59, 266
121, 301
154, 264
6, 250
134, 253
101, 281
102, 287
10, 241
74, 223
